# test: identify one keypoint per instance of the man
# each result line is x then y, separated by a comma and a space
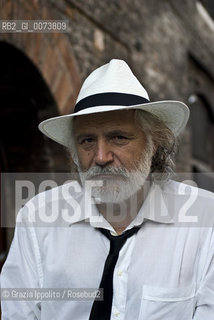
145, 240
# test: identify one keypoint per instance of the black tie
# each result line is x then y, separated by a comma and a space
101, 309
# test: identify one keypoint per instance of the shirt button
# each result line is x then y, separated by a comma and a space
114, 233
117, 314
120, 273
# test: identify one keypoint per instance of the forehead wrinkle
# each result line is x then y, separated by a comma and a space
107, 130
105, 117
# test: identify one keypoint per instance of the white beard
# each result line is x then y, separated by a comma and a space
121, 184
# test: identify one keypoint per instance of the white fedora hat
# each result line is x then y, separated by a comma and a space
111, 87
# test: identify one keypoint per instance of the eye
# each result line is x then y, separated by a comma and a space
87, 141
121, 140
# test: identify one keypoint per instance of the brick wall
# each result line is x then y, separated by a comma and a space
157, 38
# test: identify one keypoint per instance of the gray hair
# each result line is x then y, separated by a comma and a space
163, 140
165, 144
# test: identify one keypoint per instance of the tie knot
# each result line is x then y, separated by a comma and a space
125, 235
116, 242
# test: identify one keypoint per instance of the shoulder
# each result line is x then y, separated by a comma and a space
186, 189
190, 202
48, 207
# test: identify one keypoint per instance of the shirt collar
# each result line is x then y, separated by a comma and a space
154, 208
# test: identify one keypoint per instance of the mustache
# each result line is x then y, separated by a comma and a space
97, 170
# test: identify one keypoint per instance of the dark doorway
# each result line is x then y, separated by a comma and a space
25, 101
201, 123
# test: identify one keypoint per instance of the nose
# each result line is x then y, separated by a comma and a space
104, 154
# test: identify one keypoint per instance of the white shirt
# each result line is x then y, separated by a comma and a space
165, 271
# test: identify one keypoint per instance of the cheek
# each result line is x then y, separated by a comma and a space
129, 158
131, 155
85, 158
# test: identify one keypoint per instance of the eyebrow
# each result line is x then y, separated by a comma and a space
120, 133
84, 135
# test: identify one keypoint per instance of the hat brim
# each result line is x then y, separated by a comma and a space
174, 114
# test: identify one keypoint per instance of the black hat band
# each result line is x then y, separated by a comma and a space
109, 99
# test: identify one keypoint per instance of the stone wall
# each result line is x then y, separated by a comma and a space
168, 44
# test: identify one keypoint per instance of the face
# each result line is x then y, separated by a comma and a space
111, 147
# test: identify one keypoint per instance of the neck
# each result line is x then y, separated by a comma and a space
120, 215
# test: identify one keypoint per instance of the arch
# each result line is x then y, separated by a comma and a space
51, 61
52, 56
25, 101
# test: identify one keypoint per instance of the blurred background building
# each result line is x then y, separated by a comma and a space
169, 45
